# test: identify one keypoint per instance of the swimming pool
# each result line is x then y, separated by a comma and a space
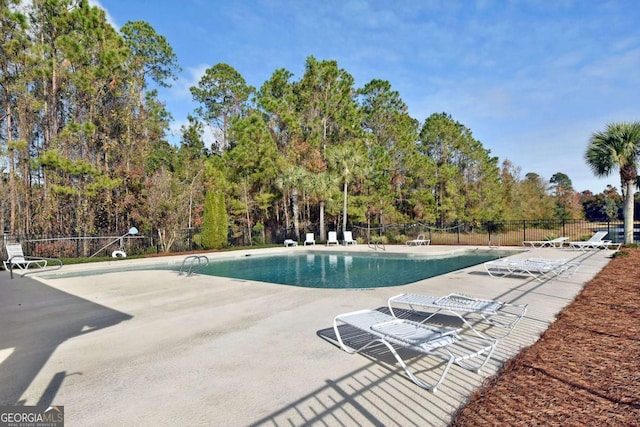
344, 269
324, 269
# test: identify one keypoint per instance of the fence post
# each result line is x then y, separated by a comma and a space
524, 230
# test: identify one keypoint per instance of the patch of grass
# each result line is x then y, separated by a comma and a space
87, 260
620, 253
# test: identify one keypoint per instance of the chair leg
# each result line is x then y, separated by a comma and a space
475, 368
430, 387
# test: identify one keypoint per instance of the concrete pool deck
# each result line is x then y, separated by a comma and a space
154, 348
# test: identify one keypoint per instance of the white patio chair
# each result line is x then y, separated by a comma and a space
332, 238
17, 258
493, 312
427, 340
538, 268
607, 244
290, 242
594, 242
558, 242
309, 239
564, 267
418, 241
348, 238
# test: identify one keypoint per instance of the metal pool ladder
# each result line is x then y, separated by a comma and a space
192, 261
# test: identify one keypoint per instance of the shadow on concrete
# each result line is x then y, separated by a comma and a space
35, 320
377, 394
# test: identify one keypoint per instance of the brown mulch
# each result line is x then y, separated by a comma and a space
584, 370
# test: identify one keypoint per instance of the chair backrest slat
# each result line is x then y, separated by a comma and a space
598, 236
14, 252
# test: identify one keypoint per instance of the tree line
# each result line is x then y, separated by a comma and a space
85, 146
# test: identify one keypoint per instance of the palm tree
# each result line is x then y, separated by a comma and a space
290, 181
347, 161
321, 187
618, 147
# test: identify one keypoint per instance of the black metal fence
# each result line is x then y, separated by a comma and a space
502, 233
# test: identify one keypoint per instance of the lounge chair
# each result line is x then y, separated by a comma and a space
332, 238
348, 238
563, 266
17, 258
493, 312
419, 241
309, 239
594, 242
538, 268
552, 243
607, 244
290, 242
443, 343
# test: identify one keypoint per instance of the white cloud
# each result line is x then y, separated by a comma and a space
108, 16
531, 78
186, 81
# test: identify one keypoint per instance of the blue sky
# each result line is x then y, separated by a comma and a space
531, 79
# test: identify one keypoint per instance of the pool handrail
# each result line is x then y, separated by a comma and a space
193, 259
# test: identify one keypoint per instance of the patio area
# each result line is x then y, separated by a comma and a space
155, 348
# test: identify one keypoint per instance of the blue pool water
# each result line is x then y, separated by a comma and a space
344, 270
322, 269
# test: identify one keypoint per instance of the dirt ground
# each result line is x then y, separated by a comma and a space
585, 369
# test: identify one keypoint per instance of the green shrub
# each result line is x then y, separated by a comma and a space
214, 224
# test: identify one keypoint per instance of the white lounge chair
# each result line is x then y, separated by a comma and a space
309, 239
290, 242
494, 312
428, 340
538, 268
332, 238
419, 241
594, 242
17, 258
564, 267
552, 243
348, 238
608, 244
